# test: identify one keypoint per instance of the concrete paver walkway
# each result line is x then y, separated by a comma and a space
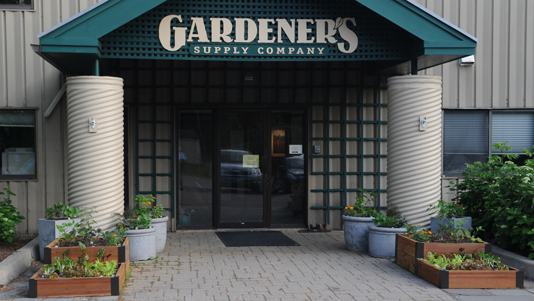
197, 266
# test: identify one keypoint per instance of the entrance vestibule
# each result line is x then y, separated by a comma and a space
241, 168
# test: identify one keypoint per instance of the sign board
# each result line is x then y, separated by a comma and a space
295, 149
251, 161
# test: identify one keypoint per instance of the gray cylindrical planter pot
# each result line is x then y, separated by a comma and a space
160, 224
435, 223
356, 230
48, 231
382, 241
142, 244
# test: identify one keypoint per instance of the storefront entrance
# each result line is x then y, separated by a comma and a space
242, 168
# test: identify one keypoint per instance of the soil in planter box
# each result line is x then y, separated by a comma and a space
75, 243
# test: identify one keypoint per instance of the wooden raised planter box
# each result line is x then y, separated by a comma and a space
470, 279
407, 250
120, 254
85, 286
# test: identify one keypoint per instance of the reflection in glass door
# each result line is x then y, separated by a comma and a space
241, 162
288, 188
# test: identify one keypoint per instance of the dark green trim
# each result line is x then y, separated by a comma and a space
520, 279
443, 279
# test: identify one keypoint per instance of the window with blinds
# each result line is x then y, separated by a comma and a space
516, 128
16, 4
465, 139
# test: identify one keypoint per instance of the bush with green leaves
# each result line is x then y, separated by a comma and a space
499, 196
9, 216
61, 211
359, 208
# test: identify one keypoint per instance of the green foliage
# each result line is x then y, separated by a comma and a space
453, 233
66, 268
499, 196
464, 261
417, 234
447, 210
141, 216
157, 211
392, 219
9, 216
359, 209
61, 211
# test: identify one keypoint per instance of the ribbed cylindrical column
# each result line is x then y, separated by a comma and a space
414, 153
95, 155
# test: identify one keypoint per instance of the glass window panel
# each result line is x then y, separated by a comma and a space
16, 4
465, 139
516, 128
17, 144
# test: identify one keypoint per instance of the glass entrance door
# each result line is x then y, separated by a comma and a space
242, 169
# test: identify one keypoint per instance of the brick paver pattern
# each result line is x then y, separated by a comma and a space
197, 266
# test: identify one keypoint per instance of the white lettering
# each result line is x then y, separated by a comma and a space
245, 49
263, 28
349, 36
207, 51
235, 51
270, 50
328, 33
240, 30
280, 50
198, 24
320, 50
260, 50
226, 50
216, 49
165, 33
216, 34
289, 30
291, 50
311, 50
300, 51
197, 49
304, 30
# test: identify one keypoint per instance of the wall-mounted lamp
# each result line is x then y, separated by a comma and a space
422, 123
467, 61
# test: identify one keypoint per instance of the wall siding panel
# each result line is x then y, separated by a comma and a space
529, 54
516, 97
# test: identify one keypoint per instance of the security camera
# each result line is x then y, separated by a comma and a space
467, 61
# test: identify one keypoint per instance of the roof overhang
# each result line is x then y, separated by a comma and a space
73, 46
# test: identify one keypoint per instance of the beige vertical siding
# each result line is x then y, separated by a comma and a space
26, 81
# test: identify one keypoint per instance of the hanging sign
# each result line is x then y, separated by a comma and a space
261, 37
251, 161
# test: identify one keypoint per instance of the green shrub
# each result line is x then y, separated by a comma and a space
499, 196
9, 217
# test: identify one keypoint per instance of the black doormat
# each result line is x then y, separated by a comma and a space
256, 239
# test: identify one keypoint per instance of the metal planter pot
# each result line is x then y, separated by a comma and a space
382, 241
356, 230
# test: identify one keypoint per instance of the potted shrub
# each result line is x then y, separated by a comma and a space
383, 233
418, 243
356, 222
65, 278
448, 215
57, 214
159, 220
138, 227
464, 270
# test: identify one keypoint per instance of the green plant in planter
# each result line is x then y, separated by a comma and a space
9, 217
61, 211
447, 210
392, 219
464, 261
359, 208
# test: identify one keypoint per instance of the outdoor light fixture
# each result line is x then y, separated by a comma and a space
92, 125
467, 61
422, 123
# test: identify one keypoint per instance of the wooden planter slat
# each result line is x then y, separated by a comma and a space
69, 287
408, 250
470, 279
120, 254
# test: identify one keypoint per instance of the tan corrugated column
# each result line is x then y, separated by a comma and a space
414, 152
95, 153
